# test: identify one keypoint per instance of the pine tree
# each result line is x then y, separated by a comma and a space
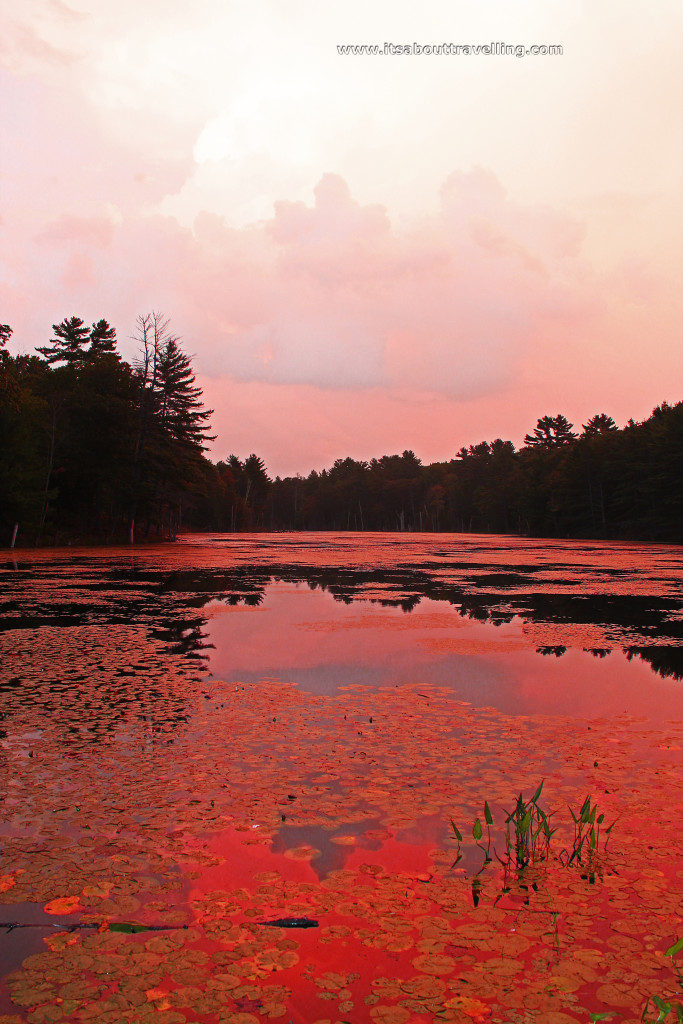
551, 432
68, 345
102, 340
5, 335
172, 426
181, 414
599, 424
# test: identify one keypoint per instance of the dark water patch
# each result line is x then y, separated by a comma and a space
331, 856
16, 943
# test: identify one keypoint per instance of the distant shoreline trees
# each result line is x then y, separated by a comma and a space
96, 450
600, 483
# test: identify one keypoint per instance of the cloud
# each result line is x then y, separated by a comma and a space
394, 248
332, 294
89, 231
482, 297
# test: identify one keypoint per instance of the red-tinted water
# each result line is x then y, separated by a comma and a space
237, 730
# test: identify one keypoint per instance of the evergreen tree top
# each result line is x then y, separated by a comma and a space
72, 338
551, 432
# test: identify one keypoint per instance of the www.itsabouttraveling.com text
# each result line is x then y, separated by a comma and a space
449, 49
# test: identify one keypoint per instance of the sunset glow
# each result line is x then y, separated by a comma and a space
363, 253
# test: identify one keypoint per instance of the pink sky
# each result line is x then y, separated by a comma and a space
364, 254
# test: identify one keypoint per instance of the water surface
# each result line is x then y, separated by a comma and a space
205, 736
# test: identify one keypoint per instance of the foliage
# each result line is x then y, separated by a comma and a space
528, 834
665, 1007
604, 483
68, 344
551, 432
171, 430
92, 448
246, 493
587, 824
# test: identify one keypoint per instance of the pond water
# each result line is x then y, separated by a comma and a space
205, 737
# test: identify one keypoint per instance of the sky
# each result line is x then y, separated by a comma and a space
363, 253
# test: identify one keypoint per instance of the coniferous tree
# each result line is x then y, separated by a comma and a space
102, 340
551, 432
172, 427
181, 411
5, 359
601, 423
69, 343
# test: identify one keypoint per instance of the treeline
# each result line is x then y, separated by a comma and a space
94, 449
600, 482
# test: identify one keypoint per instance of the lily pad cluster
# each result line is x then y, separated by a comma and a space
140, 793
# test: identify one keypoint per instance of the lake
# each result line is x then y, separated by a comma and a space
255, 777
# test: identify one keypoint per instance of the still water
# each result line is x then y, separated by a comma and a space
205, 737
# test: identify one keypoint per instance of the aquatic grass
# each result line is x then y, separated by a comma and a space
587, 825
478, 833
664, 1007
529, 832
457, 835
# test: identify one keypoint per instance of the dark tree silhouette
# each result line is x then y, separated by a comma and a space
5, 360
89, 443
599, 424
102, 340
551, 432
181, 412
69, 344
172, 428
247, 492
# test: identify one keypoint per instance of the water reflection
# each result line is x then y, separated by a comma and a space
124, 637
210, 717
665, 661
323, 646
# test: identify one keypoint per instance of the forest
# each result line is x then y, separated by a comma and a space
94, 449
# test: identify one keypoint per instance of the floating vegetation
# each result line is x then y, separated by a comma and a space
665, 1007
186, 833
